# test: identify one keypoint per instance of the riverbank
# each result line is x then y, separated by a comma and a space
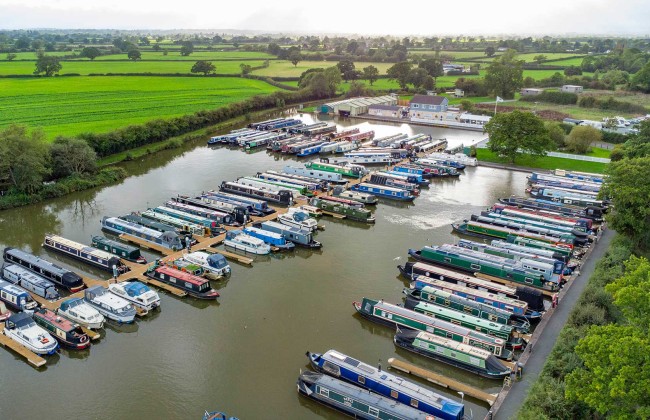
529, 163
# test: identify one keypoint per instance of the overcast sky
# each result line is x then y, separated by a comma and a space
427, 17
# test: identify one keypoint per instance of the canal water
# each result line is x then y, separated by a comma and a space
241, 355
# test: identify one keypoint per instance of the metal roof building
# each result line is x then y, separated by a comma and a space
356, 106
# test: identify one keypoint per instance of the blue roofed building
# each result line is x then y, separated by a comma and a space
428, 107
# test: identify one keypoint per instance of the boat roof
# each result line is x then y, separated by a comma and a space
70, 303
12, 288
21, 319
455, 345
54, 318
135, 288
181, 275
81, 247
460, 315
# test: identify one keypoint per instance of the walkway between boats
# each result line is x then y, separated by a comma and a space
33, 358
443, 381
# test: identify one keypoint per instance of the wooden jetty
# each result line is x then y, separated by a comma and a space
31, 357
93, 335
482, 276
171, 289
334, 215
442, 380
231, 256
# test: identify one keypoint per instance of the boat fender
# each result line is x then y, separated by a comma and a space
554, 301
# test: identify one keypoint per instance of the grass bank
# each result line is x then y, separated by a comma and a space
545, 162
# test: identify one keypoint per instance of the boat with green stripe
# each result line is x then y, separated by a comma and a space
504, 332
561, 249
350, 171
465, 305
350, 209
398, 316
492, 231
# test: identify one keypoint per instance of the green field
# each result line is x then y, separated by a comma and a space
88, 67
33, 56
458, 55
545, 162
529, 57
570, 62
69, 106
195, 56
281, 68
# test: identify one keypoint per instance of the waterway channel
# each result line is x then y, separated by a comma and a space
243, 354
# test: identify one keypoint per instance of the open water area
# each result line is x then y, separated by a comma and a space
242, 354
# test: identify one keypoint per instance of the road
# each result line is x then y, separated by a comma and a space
544, 345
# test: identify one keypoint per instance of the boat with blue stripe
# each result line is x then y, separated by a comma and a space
413, 178
348, 369
271, 238
311, 150
384, 191
590, 212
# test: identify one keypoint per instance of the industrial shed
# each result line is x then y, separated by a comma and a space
356, 106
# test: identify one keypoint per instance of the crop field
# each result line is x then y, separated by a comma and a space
576, 61
71, 105
32, 55
195, 56
458, 55
88, 67
281, 68
529, 57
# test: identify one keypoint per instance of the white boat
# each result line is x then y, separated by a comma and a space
110, 305
139, 294
347, 146
212, 263
298, 218
22, 329
78, 311
458, 157
360, 197
316, 174
370, 158
239, 240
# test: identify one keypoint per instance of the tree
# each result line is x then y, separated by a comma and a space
573, 71
517, 133
11, 56
352, 47
356, 89
400, 72
187, 48
90, 52
433, 66
467, 105
47, 64
641, 80
581, 137
245, 68
23, 158
295, 57
134, 55
417, 77
72, 156
22, 43
489, 51
205, 67
556, 133
504, 76
429, 83
371, 74
156, 47
631, 292
347, 69
628, 185
539, 59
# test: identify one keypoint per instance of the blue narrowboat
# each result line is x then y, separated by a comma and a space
218, 216
239, 213
283, 197
300, 237
413, 178
384, 191
15, 297
93, 256
30, 281
271, 238
354, 401
311, 150
256, 206
348, 369
169, 239
67, 279
590, 212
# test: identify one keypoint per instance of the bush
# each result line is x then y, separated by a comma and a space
554, 97
614, 138
617, 153
581, 138
556, 133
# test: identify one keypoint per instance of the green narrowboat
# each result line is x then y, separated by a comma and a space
493, 231
562, 249
504, 332
126, 252
398, 316
478, 361
186, 266
462, 304
351, 210
352, 171
285, 185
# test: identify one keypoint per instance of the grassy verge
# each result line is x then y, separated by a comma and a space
546, 398
546, 162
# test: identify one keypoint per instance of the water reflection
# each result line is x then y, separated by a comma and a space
25, 227
118, 328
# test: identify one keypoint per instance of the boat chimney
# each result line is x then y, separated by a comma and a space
379, 365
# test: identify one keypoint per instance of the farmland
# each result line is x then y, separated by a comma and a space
281, 68
196, 55
71, 105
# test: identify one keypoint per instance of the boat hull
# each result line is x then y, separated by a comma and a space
49, 349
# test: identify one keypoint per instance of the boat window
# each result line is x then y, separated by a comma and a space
362, 379
394, 394
324, 392
447, 260
414, 402
373, 411
475, 267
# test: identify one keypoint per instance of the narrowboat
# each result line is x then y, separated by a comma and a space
456, 258
65, 332
243, 242
298, 218
22, 329
271, 238
448, 170
211, 263
30, 281
80, 312
366, 135
342, 134
594, 213
66, 279
537, 226
494, 329
578, 223
568, 198
150, 222
110, 305
168, 239
553, 192
350, 211
469, 358
394, 182
93, 256
314, 212
311, 185
368, 158
581, 176
520, 309
340, 200
253, 206
328, 148
191, 217
311, 150
239, 213
562, 249
360, 197
474, 228
126, 252
347, 146
139, 294
182, 265
538, 252
194, 286
560, 182
446, 162
176, 224
354, 401
398, 316
458, 157
350, 171
222, 218
444, 298
15, 297
328, 128
296, 235
384, 191
275, 186
315, 174
409, 177
413, 169
346, 368
283, 197
299, 147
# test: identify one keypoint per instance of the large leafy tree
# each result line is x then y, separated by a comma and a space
433, 67
371, 74
417, 77
72, 156
187, 48
295, 57
347, 69
400, 72
504, 76
205, 67
641, 80
632, 292
49, 65
90, 52
24, 158
517, 133
134, 55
